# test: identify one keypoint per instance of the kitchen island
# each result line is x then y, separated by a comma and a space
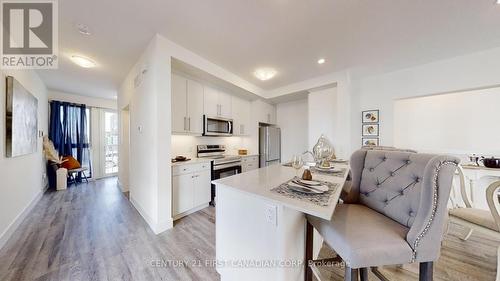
260, 234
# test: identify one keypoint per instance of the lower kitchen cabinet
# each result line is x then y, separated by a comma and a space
191, 188
249, 163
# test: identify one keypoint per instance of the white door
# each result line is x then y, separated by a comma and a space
179, 104
183, 193
225, 105
202, 188
241, 115
211, 102
195, 107
109, 139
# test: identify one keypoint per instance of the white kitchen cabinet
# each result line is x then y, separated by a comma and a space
266, 113
195, 107
217, 103
241, 116
179, 103
211, 102
191, 188
249, 163
269, 113
225, 105
187, 106
183, 193
202, 188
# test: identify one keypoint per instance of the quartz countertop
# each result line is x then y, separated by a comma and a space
260, 182
192, 161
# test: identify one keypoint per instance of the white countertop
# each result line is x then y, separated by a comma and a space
192, 161
260, 182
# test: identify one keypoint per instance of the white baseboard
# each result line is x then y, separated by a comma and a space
122, 187
156, 227
4, 237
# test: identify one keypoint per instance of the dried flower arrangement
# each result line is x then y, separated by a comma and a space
50, 151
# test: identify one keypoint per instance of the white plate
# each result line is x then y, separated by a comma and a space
312, 183
324, 168
330, 170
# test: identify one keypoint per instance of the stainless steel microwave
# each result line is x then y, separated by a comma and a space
217, 126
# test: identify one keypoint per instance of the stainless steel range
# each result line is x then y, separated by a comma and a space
222, 166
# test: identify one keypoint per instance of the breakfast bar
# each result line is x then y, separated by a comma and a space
260, 230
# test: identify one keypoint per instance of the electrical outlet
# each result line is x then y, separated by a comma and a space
272, 214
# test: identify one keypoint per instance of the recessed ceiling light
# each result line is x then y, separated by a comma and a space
322, 60
265, 73
83, 61
83, 29
498, 1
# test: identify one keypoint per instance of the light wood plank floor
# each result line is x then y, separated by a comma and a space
91, 232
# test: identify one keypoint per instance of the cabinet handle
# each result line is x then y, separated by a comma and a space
184, 123
268, 118
189, 123
242, 129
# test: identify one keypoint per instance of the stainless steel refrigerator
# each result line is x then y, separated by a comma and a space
269, 146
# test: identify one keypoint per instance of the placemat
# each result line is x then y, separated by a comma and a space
318, 199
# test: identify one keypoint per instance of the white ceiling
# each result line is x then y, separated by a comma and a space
239, 35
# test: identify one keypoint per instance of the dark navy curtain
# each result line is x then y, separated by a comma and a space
69, 131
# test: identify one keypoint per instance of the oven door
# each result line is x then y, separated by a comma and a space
224, 172
216, 126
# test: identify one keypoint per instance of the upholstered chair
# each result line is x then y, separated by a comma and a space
395, 212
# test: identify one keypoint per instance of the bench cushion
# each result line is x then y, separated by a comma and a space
364, 237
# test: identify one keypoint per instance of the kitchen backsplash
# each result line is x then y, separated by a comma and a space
186, 145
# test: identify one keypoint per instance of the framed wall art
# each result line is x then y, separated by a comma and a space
21, 115
370, 142
370, 130
370, 116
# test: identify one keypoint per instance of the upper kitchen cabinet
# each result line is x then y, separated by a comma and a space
266, 113
217, 103
241, 116
195, 107
187, 106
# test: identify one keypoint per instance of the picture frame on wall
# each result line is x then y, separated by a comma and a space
371, 130
370, 116
370, 142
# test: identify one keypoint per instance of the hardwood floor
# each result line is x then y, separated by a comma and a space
91, 232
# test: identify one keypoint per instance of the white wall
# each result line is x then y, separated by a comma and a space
292, 118
379, 92
323, 117
458, 123
89, 101
123, 159
22, 177
150, 129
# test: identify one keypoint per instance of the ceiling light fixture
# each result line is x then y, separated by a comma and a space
83, 29
265, 73
322, 60
83, 61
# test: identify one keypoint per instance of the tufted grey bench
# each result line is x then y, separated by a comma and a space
394, 213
